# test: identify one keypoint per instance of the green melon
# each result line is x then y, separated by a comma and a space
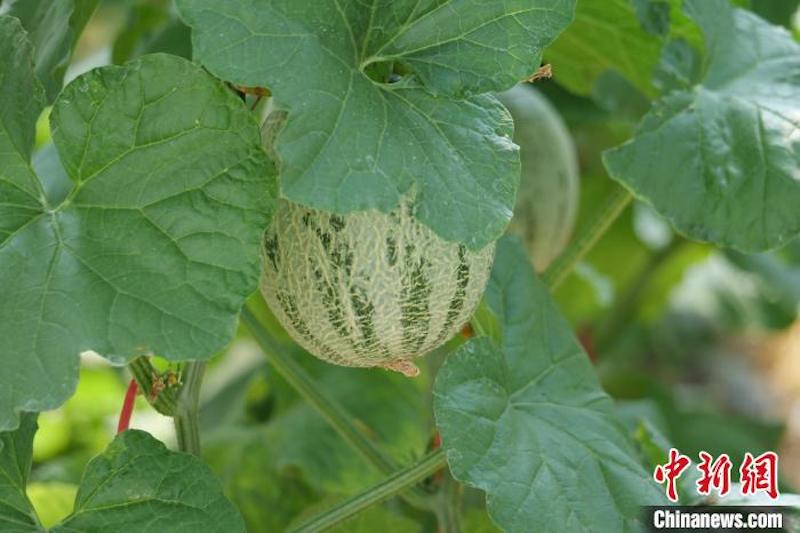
368, 289
549, 187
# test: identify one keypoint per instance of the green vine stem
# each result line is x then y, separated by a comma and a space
162, 399
450, 504
186, 412
336, 415
391, 486
558, 271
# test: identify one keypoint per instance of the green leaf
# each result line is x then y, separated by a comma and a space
155, 247
485, 323
389, 407
173, 38
455, 47
654, 448
16, 448
653, 15
374, 93
527, 422
55, 181
776, 11
137, 484
54, 27
605, 36
720, 160
679, 67
23, 100
140, 22
695, 430
149, 28
246, 459
615, 94
617, 35
776, 277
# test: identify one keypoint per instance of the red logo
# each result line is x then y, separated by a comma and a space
716, 475
671, 471
756, 474
760, 474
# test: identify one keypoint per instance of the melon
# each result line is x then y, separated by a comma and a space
368, 289
549, 186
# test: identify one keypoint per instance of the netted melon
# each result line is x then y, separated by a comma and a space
368, 289
547, 200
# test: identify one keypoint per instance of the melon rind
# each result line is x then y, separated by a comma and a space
368, 288
549, 185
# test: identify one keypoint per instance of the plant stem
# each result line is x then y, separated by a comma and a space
127, 407
449, 508
186, 412
163, 401
396, 483
558, 271
329, 408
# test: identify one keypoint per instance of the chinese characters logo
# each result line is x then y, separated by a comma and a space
756, 474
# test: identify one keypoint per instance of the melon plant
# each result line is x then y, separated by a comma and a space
368, 289
153, 213
549, 186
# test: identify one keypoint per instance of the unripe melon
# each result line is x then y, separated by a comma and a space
368, 288
549, 187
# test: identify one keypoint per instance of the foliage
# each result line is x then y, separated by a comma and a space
131, 485
134, 196
731, 133
532, 397
383, 135
169, 264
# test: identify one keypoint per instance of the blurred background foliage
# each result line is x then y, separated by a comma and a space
700, 347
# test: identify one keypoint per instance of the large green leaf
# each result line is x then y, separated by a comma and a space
137, 484
720, 160
776, 11
151, 27
391, 409
359, 136
54, 27
624, 36
762, 290
246, 459
16, 448
605, 35
155, 247
526, 420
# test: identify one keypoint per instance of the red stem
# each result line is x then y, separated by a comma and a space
127, 406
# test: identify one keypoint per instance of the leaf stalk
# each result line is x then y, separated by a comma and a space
186, 416
559, 270
391, 486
